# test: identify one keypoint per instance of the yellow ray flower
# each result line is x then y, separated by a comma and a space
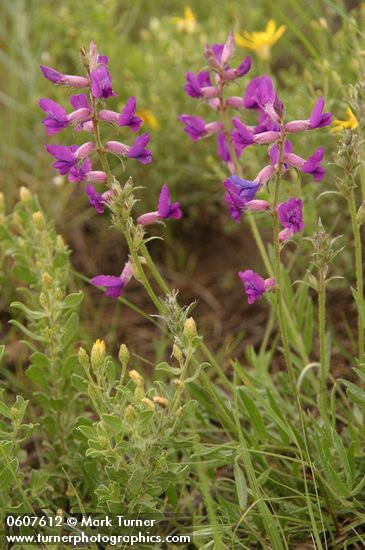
187, 23
149, 118
349, 122
261, 42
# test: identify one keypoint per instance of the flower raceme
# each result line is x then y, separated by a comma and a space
271, 129
75, 161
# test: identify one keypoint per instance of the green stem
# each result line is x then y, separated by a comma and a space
359, 272
322, 335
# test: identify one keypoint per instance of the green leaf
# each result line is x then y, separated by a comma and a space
79, 383
6, 475
70, 329
73, 300
241, 486
114, 422
165, 367
254, 414
23, 273
355, 393
40, 360
2, 351
34, 315
38, 376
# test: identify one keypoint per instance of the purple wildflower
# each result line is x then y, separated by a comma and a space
165, 209
97, 200
242, 137
80, 101
255, 286
138, 151
56, 116
114, 285
317, 119
260, 95
78, 174
239, 193
64, 155
128, 118
291, 218
65, 79
196, 127
310, 166
101, 82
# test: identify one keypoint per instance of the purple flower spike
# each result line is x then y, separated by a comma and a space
65, 157
312, 165
128, 118
114, 285
291, 218
138, 151
57, 117
319, 119
101, 82
255, 286
165, 209
96, 200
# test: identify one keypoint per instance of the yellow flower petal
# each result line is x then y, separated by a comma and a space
350, 122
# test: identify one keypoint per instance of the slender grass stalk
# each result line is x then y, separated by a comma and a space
322, 337
358, 266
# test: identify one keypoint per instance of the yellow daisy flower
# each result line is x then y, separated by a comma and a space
187, 23
350, 122
149, 118
261, 42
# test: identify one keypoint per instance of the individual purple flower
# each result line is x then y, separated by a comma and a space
64, 79
222, 147
138, 151
291, 218
242, 69
128, 118
241, 137
165, 209
239, 193
101, 82
114, 285
97, 200
64, 155
197, 128
196, 86
255, 286
261, 95
317, 119
56, 116
79, 173
309, 166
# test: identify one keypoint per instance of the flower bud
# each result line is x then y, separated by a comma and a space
130, 414
124, 355
58, 294
60, 243
190, 328
179, 412
149, 403
43, 300
139, 393
179, 384
98, 354
39, 221
83, 358
25, 195
136, 377
177, 353
47, 281
162, 401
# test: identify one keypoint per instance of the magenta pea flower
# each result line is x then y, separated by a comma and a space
78, 173
138, 152
101, 82
200, 85
96, 200
56, 116
317, 119
67, 157
291, 218
242, 137
240, 196
310, 166
261, 95
128, 116
64, 79
255, 286
197, 128
165, 209
114, 285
